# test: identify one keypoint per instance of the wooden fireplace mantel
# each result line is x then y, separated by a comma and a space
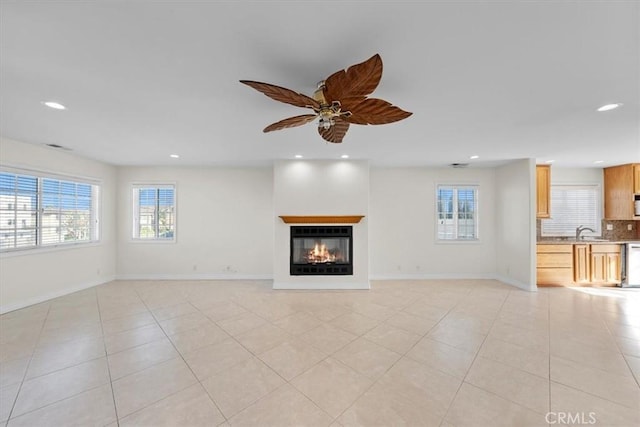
321, 219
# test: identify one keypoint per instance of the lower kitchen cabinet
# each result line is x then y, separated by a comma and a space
581, 264
578, 264
605, 264
554, 265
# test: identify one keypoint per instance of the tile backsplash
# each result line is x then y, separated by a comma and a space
620, 230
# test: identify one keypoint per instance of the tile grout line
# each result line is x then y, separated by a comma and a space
289, 382
183, 359
373, 382
33, 351
402, 355
106, 356
584, 391
549, 331
51, 309
549, 341
633, 375
474, 360
256, 356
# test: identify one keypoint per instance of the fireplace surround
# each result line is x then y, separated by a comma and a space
318, 250
325, 193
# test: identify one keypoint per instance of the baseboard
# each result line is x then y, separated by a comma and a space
436, 276
198, 276
232, 276
518, 284
51, 295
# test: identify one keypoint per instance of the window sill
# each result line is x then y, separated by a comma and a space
458, 242
46, 249
152, 241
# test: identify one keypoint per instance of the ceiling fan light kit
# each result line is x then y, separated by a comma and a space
339, 101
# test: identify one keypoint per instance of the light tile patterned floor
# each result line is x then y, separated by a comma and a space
417, 353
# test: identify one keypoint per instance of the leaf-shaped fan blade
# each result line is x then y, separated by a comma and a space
349, 104
336, 132
357, 80
283, 94
374, 111
291, 122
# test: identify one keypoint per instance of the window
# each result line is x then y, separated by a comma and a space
154, 212
38, 211
457, 214
571, 207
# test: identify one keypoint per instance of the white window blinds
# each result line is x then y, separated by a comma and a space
457, 216
154, 212
571, 207
40, 210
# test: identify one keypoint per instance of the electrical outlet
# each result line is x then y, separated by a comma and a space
609, 227
629, 227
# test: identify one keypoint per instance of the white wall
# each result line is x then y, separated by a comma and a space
403, 225
516, 223
224, 225
321, 187
228, 225
560, 175
28, 277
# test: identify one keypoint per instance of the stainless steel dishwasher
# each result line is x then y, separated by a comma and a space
631, 265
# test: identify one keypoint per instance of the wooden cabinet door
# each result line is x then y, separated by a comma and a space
581, 263
543, 191
613, 268
599, 267
636, 179
618, 192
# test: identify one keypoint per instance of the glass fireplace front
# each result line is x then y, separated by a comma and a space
321, 250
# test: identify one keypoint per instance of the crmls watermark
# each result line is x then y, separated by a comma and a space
571, 418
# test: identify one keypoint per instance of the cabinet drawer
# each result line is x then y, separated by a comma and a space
554, 248
605, 249
555, 260
555, 276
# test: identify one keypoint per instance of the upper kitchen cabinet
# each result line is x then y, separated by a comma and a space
621, 190
543, 191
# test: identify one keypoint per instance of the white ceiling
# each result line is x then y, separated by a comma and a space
499, 79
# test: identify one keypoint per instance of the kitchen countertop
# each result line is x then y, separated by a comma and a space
556, 241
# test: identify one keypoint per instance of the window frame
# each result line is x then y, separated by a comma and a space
40, 175
135, 213
456, 186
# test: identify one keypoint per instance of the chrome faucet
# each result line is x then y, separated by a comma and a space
582, 228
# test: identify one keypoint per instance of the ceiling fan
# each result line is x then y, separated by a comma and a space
339, 101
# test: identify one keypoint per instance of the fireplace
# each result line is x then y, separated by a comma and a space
321, 250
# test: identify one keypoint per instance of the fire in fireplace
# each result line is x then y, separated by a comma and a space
321, 250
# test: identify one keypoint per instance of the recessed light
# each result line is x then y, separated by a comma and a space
174, 156
474, 157
549, 161
609, 107
54, 105
298, 156
344, 156
598, 161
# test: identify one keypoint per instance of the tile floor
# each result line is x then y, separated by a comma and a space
417, 353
